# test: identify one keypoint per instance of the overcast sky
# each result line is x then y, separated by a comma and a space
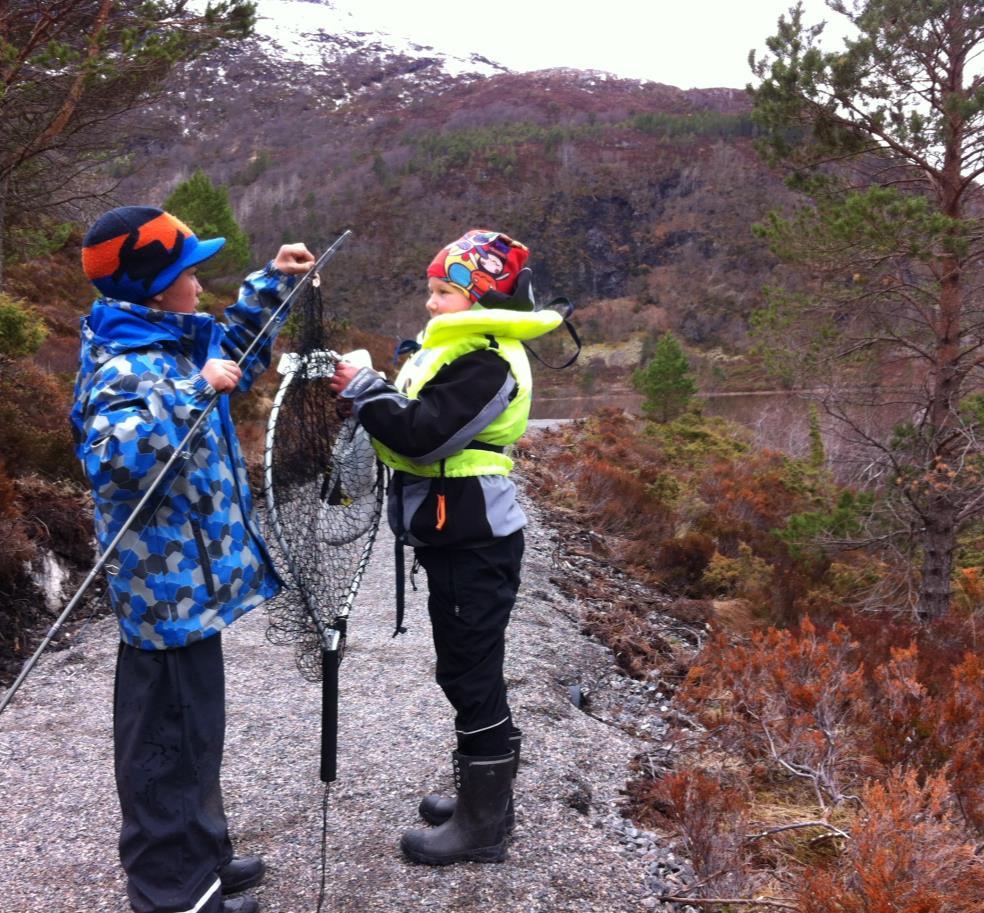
686, 43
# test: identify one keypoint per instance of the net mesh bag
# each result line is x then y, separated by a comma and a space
323, 490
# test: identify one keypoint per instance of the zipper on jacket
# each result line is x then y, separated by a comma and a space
204, 557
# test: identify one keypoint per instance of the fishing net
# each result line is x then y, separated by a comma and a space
323, 489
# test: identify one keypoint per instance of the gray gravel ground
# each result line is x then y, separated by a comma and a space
571, 852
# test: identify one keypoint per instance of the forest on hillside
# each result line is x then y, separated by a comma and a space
823, 235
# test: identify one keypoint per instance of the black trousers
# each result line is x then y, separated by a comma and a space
169, 729
471, 596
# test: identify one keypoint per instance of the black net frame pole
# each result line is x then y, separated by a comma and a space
330, 660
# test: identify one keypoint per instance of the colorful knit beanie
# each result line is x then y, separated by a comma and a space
135, 252
487, 266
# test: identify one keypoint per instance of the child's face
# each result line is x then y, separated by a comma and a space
444, 298
181, 296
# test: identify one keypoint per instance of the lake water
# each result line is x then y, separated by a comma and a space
777, 419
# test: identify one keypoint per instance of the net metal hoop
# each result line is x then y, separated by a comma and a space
296, 369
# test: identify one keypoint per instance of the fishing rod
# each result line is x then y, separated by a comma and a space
182, 452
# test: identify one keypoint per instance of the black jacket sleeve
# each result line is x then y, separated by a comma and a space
449, 411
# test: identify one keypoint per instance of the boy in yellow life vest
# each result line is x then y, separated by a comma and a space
460, 400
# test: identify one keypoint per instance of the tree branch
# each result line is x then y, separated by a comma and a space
834, 831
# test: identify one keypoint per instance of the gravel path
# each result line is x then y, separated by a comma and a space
570, 854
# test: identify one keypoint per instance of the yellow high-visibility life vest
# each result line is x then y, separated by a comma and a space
449, 336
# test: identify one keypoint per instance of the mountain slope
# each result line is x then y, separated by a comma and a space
637, 192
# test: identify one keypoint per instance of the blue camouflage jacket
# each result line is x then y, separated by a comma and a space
195, 560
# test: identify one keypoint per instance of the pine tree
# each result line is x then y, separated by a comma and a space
886, 137
665, 381
206, 210
73, 78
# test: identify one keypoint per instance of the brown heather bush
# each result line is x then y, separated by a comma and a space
926, 696
849, 699
17, 547
900, 720
617, 499
34, 408
60, 515
910, 726
805, 703
791, 698
958, 718
969, 590
907, 854
710, 816
749, 498
59, 355
681, 562
679, 495
943, 643
638, 649
615, 485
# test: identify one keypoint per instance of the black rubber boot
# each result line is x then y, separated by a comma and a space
240, 873
476, 831
436, 809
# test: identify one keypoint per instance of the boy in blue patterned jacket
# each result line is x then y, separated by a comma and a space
194, 561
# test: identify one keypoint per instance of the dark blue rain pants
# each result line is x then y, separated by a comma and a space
169, 728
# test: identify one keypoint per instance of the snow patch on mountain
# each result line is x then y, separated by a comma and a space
316, 34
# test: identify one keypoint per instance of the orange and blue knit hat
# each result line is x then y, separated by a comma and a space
487, 266
134, 252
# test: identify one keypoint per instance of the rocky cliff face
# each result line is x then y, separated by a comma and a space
623, 190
